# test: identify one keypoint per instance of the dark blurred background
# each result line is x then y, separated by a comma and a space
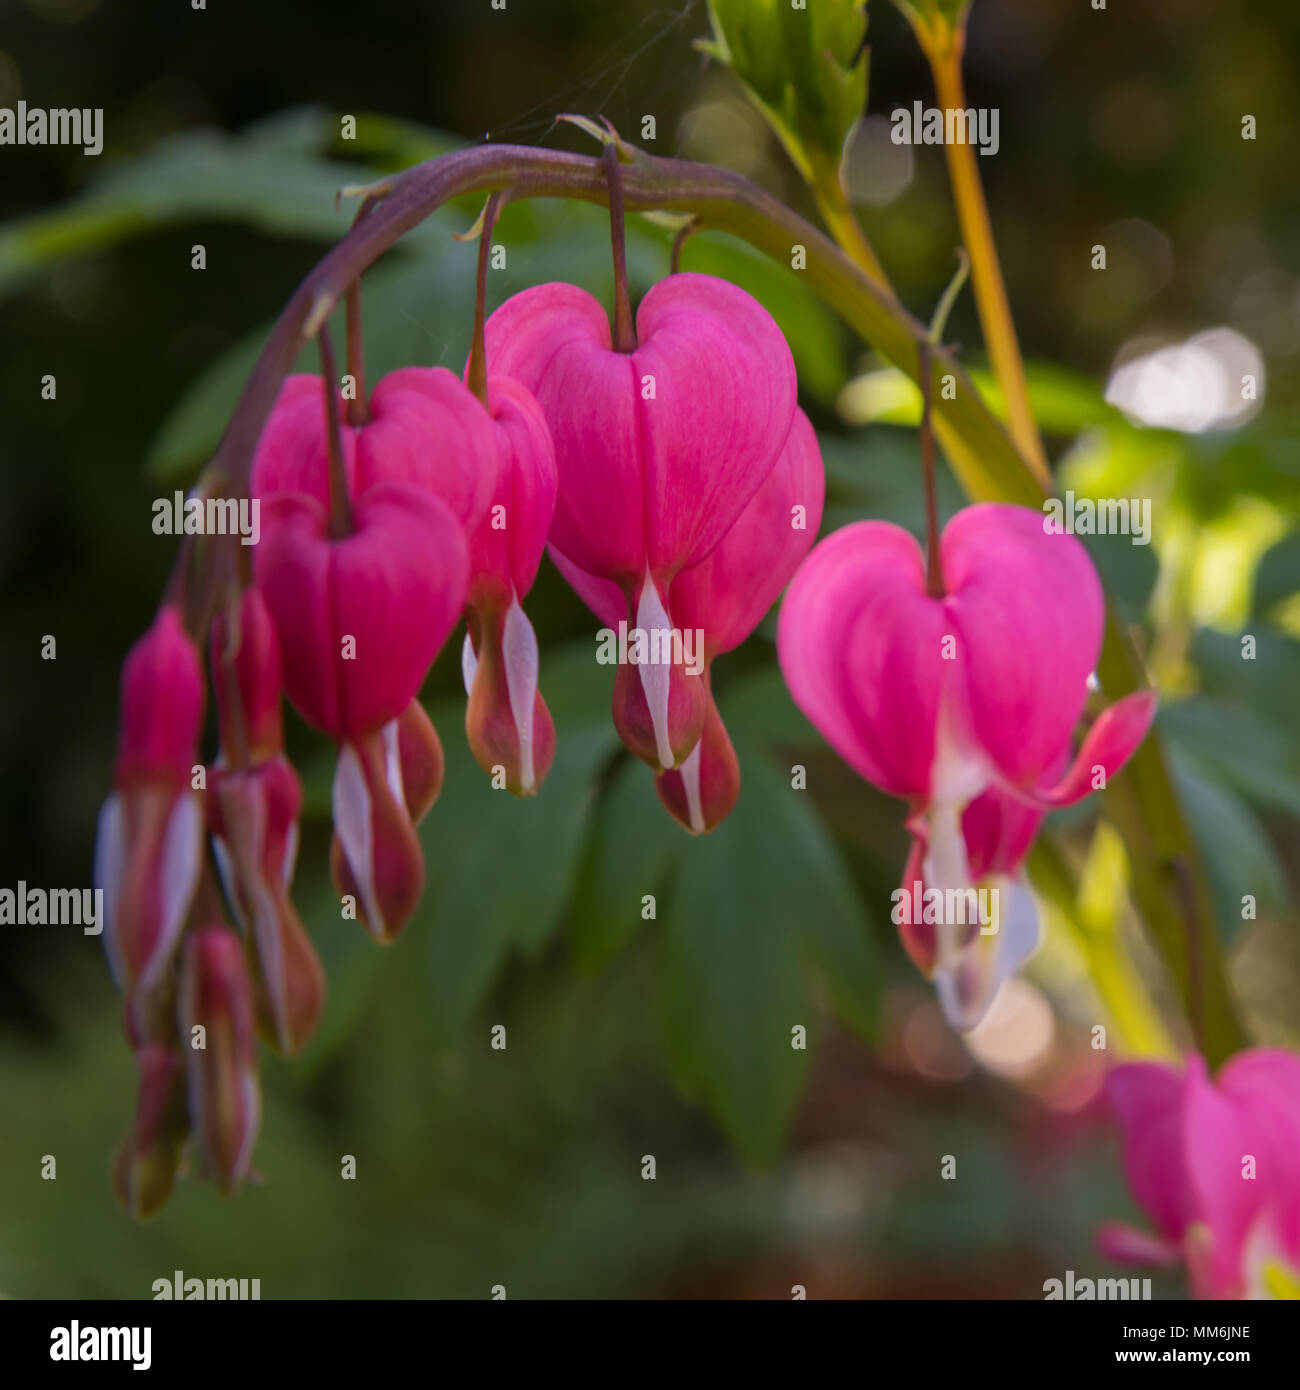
475, 1168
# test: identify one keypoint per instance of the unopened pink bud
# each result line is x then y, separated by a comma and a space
253, 815
162, 705
218, 1035
148, 853
245, 654
506, 548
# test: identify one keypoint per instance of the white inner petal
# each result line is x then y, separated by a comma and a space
969, 983
351, 804
690, 771
656, 677
519, 652
182, 856
270, 952
110, 863
393, 761
468, 664
945, 868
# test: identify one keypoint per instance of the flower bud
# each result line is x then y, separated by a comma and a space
149, 843
253, 816
162, 706
215, 1010
245, 654
144, 1168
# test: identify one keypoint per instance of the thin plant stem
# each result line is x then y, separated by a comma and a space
933, 572
624, 328
986, 271
476, 372
340, 506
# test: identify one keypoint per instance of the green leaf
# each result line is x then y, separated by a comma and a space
400, 330
1266, 680
1246, 752
1278, 575
633, 846
876, 473
271, 176
759, 712
1239, 857
753, 902
501, 868
1064, 401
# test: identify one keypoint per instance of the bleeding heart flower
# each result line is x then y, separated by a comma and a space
507, 722
426, 428
939, 698
658, 451
1214, 1166
360, 617
149, 847
215, 1011
725, 597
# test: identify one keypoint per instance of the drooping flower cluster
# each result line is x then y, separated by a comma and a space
963, 703
365, 564
1213, 1164
678, 473
678, 487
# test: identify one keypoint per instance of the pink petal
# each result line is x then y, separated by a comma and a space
507, 547
999, 830
861, 649
291, 453
651, 481
605, 598
1148, 1101
728, 593
1109, 744
428, 428
1030, 610
395, 585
